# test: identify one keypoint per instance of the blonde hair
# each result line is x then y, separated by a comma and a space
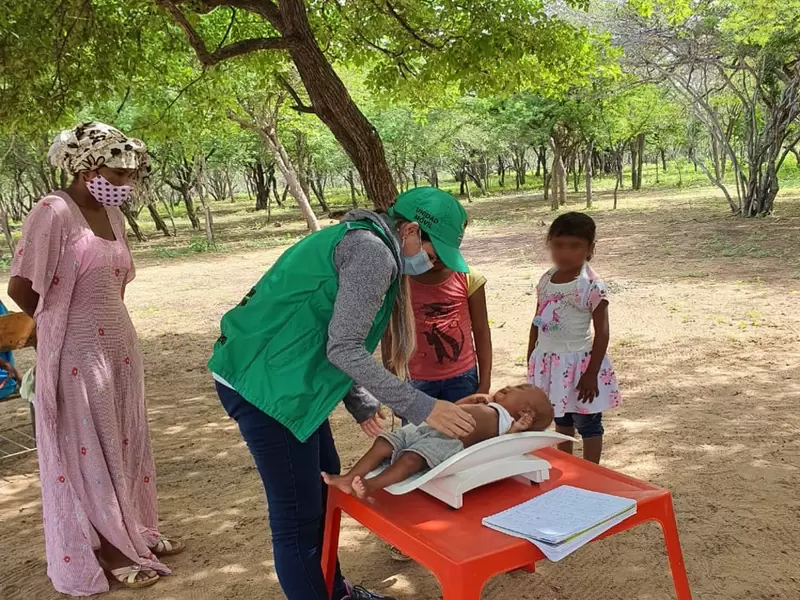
402, 333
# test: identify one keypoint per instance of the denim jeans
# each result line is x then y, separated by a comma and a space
588, 426
296, 494
452, 389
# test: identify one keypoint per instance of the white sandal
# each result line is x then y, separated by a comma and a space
127, 576
167, 547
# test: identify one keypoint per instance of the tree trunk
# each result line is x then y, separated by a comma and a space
159, 222
575, 172
168, 208
656, 162
260, 184
555, 194
279, 200
760, 192
334, 106
555, 178
6, 230
663, 154
465, 184
231, 192
521, 166
351, 180
501, 171
560, 173
640, 158
270, 136
318, 187
588, 173
432, 175
474, 174
134, 225
190, 211
208, 222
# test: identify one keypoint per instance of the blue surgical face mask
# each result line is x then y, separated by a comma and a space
417, 264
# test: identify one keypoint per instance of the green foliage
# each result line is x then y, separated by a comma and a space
447, 83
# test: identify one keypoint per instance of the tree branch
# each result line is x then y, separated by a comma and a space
208, 59
789, 148
124, 100
299, 106
405, 25
227, 31
266, 8
172, 102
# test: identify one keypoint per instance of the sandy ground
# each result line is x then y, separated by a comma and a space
704, 326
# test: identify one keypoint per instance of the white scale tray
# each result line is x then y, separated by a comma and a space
494, 459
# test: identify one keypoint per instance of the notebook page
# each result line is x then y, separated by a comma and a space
560, 514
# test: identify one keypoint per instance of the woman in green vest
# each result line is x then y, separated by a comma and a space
302, 340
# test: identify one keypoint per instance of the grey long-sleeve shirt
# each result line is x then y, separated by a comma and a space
366, 268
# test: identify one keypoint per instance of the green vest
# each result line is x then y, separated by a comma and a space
273, 347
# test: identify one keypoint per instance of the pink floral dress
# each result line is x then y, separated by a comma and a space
564, 345
95, 463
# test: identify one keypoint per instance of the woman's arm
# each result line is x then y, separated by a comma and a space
533, 338
21, 291
588, 387
483, 338
366, 270
38, 254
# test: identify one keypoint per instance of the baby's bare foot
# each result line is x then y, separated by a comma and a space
341, 482
360, 488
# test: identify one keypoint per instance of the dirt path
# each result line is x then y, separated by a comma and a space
704, 327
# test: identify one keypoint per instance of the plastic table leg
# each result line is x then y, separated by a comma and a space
669, 527
330, 542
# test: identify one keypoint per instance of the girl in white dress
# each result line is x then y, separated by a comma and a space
565, 360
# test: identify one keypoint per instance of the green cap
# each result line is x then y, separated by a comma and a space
439, 215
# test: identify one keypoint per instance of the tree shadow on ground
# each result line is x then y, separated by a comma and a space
704, 245
735, 492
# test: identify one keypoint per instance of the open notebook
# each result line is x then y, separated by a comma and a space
562, 520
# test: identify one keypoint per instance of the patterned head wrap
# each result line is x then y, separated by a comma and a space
93, 145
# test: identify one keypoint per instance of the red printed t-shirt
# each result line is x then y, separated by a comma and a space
445, 347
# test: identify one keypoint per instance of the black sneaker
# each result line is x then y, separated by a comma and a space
359, 593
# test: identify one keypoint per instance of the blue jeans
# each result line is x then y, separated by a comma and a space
452, 389
588, 426
296, 495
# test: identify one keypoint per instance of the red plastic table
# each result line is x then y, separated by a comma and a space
463, 554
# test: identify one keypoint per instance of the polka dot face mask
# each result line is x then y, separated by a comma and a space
107, 193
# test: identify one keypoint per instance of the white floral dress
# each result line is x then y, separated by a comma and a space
563, 349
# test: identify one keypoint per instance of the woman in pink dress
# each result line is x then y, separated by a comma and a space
95, 463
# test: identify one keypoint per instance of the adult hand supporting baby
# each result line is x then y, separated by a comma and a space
449, 419
372, 426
